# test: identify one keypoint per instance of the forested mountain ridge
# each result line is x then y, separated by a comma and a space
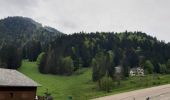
104, 51
23, 38
22, 29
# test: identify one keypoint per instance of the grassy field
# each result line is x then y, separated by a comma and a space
80, 87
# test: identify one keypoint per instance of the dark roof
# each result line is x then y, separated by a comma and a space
13, 78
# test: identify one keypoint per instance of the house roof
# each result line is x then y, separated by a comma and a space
13, 78
133, 69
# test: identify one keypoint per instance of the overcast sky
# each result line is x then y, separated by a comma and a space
68, 16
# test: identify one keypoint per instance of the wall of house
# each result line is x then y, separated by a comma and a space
17, 93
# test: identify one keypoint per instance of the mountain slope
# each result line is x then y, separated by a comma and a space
27, 37
22, 29
128, 49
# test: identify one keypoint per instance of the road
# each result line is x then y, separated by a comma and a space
156, 93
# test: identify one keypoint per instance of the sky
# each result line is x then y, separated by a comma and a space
69, 16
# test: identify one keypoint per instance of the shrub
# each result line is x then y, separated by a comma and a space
163, 68
106, 84
79, 71
39, 58
154, 83
148, 66
132, 82
67, 66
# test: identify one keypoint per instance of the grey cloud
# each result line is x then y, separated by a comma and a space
150, 16
17, 7
19, 3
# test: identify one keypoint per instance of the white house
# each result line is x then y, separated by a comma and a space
136, 71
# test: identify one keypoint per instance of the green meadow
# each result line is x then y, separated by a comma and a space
80, 85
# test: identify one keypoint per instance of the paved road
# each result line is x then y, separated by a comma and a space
156, 93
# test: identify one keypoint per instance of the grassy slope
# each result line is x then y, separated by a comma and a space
60, 86
80, 86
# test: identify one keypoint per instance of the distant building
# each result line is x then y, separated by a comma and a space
136, 71
16, 86
118, 69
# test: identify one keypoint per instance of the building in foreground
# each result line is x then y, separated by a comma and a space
16, 86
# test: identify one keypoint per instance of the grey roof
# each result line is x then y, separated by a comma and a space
9, 77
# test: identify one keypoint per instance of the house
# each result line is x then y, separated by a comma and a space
136, 71
118, 69
16, 86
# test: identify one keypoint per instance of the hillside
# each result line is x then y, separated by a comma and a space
60, 86
81, 86
22, 29
83, 65
104, 51
23, 38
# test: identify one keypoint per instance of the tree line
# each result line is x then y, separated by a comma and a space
104, 51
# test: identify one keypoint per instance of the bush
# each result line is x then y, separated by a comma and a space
106, 84
80, 71
154, 83
67, 66
163, 68
132, 82
148, 66
39, 58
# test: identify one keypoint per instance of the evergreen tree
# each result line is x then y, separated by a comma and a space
148, 66
39, 58
67, 66
168, 66
163, 68
95, 70
10, 56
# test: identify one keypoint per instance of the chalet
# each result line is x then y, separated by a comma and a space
16, 86
136, 71
118, 70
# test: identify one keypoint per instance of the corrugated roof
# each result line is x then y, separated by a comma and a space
9, 77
